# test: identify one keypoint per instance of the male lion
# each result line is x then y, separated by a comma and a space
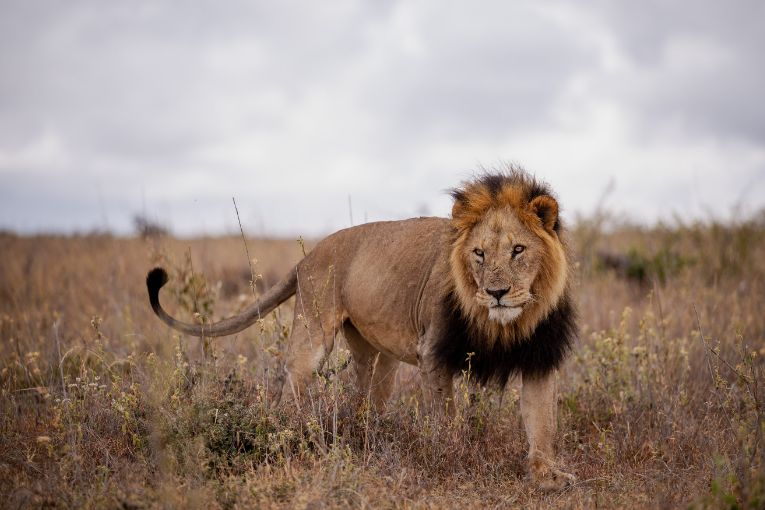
490, 284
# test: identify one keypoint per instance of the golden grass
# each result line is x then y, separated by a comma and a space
103, 406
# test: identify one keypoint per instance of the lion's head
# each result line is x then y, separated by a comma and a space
508, 261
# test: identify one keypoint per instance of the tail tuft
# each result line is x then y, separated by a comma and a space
156, 278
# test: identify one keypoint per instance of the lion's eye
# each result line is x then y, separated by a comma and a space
518, 248
478, 252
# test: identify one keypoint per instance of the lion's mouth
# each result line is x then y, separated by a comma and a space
504, 314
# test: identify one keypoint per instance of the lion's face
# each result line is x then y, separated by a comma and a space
504, 258
508, 263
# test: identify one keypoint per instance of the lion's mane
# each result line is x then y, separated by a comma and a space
538, 341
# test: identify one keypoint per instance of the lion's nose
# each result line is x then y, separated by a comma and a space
497, 293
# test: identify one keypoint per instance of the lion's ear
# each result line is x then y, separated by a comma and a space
546, 208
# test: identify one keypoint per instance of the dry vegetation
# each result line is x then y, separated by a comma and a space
103, 406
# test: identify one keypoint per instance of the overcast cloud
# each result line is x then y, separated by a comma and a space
112, 108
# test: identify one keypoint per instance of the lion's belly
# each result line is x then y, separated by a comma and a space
383, 317
389, 338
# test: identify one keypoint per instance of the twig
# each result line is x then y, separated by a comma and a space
60, 361
368, 407
725, 362
205, 340
751, 386
246, 251
701, 333
34, 388
334, 386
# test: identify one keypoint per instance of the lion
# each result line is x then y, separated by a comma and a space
485, 290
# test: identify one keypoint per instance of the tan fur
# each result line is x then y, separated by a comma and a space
383, 285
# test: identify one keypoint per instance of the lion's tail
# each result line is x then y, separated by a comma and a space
275, 296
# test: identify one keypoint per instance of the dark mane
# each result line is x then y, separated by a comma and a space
495, 362
512, 176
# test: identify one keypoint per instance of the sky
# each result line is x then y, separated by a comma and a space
318, 115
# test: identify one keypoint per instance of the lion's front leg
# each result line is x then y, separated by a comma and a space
539, 411
437, 386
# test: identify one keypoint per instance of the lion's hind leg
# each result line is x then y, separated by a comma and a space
309, 345
375, 371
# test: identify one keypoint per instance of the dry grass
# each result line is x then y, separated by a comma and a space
103, 406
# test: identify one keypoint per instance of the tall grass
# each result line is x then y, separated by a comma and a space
103, 406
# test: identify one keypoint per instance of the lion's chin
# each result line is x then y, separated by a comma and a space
504, 314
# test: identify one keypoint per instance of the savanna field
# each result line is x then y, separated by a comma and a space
103, 406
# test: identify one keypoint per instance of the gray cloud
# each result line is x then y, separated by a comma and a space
475, 72
697, 62
109, 107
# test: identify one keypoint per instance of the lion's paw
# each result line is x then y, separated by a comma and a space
555, 480
547, 477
